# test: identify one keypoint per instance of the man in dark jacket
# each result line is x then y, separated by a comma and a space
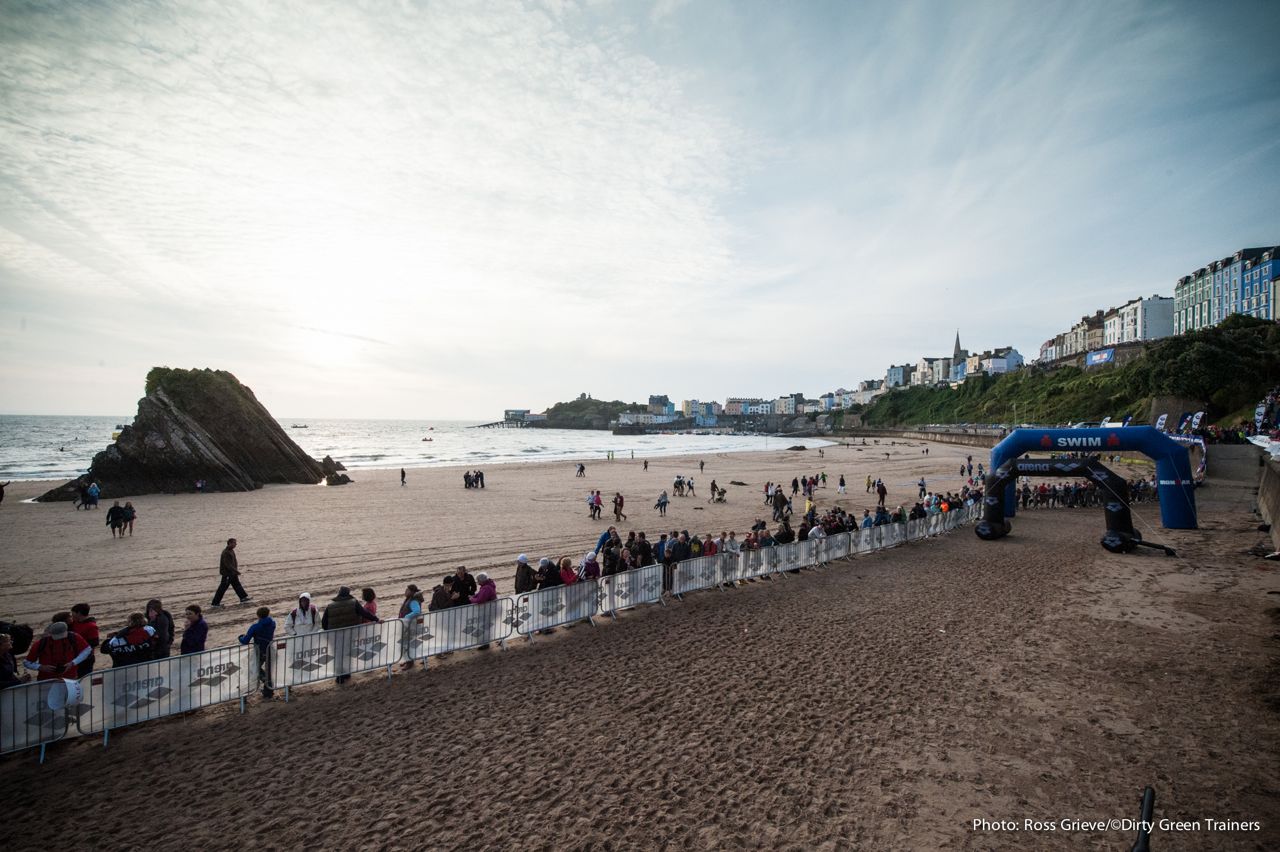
548, 574
442, 595
162, 621
525, 579
344, 611
464, 586
229, 568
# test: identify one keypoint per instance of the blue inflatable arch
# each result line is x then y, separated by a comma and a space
1173, 462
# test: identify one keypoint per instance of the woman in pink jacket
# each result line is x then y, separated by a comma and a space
487, 591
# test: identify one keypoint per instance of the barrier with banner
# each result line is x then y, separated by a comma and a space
547, 608
627, 589
457, 628
702, 572
118, 697
756, 563
314, 657
27, 720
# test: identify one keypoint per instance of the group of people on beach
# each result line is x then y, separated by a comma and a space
471, 479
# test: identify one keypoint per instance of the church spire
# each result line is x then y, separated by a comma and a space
957, 353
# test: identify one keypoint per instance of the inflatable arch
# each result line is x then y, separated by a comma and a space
1174, 483
1121, 537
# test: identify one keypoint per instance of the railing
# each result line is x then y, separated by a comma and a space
117, 697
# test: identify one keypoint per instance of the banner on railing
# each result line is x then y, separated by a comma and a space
457, 628
702, 572
837, 546
336, 653
114, 698
630, 588
547, 608
26, 720
756, 563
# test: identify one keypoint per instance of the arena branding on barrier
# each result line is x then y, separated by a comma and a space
326, 654
631, 588
702, 572
547, 608
117, 697
26, 719
458, 628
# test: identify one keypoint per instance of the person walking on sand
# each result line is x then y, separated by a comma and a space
130, 515
881, 492
229, 568
840, 489
4, 485
661, 505
702, 466
646, 467
115, 520
618, 501
402, 477
688, 483
868, 483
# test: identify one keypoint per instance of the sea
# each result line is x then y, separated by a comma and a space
45, 447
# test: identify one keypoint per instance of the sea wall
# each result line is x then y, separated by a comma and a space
1269, 498
971, 438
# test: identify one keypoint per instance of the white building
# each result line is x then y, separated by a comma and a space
1145, 319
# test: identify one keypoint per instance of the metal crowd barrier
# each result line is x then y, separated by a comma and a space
628, 589
457, 628
756, 563
118, 697
547, 608
326, 654
702, 572
26, 721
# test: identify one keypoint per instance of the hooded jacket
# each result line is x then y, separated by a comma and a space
299, 623
163, 624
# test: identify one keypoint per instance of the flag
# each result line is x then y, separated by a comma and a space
1260, 413
1195, 421
1161, 420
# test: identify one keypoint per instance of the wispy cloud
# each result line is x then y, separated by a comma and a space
481, 205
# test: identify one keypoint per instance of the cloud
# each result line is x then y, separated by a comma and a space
502, 205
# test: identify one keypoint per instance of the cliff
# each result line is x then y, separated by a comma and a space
1224, 370
196, 425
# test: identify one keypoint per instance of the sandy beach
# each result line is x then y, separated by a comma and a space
375, 533
881, 703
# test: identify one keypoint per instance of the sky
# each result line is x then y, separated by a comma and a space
444, 209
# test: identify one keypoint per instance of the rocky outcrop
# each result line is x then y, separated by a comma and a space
197, 425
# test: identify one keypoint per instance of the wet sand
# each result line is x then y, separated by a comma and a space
881, 703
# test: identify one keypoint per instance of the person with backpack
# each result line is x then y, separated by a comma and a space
303, 618
57, 654
162, 621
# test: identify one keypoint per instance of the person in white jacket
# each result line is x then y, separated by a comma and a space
304, 618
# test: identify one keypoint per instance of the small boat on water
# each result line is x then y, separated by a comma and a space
296, 426
426, 439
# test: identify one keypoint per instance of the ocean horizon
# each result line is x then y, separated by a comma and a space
55, 447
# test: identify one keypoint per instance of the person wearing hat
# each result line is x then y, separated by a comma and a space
344, 611
302, 618
590, 568
548, 574
526, 580
57, 654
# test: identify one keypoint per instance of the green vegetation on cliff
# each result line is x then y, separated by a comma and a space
1229, 368
587, 413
